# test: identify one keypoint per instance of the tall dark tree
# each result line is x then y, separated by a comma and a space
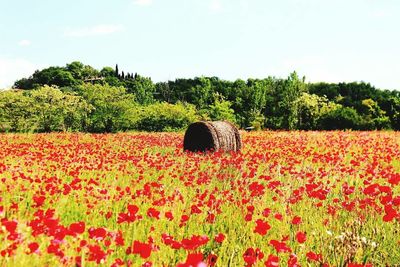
116, 71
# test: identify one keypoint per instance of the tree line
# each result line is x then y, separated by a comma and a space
78, 97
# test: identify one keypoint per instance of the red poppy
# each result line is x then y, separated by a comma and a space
77, 228
153, 213
272, 261
143, 249
251, 256
301, 237
262, 227
280, 246
33, 247
193, 260
219, 238
311, 256
97, 233
211, 259
296, 220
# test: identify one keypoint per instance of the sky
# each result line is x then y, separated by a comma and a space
323, 40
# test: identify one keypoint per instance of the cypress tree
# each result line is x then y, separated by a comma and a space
116, 71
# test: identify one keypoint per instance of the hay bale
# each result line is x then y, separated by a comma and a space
212, 135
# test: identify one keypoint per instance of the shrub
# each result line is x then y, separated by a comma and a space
220, 110
167, 117
112, 107
16, 110
341, 119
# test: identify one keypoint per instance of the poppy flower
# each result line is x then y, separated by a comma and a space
296, 220
219, 238
97, 233
77, 228
280, 246
193, 260
311, 256
143, 249
272, 261
301, 237
33, 247
251, 256
262, 227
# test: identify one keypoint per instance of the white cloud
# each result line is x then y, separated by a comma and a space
24, 43
143, 2
215, 5
244, 4
12, 69
102, 29
380, 14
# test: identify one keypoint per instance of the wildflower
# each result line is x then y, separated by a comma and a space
280, 246
272, 261
296, 220
143, 249
301, 237
251, 256
219, 238
262, 227
311, 256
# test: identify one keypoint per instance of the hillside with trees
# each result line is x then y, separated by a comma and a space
78, 97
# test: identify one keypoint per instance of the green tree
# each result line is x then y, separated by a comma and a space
394, 103
374, 117
113, 107
24, 83
164, 92
55, 111
238, 97
328, 90
143, 88
53, 76
201, 93
80, 71
219, 110
293, 87
161, 117
107, 72
75, 113
342, 118
16, 111
311, 108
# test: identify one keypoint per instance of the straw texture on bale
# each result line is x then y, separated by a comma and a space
212, 135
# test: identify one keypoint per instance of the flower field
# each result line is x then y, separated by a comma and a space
287, 199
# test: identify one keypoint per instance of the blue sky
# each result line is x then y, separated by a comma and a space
333, 41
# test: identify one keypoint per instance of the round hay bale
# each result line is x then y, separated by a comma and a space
212, 135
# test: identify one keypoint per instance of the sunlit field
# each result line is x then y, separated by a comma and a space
288, 198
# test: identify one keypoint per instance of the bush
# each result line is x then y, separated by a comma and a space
342, 118
382, 123
113, 108
221, 110
16, 109
164, 117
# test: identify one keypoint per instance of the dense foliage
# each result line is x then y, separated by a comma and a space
78, 97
